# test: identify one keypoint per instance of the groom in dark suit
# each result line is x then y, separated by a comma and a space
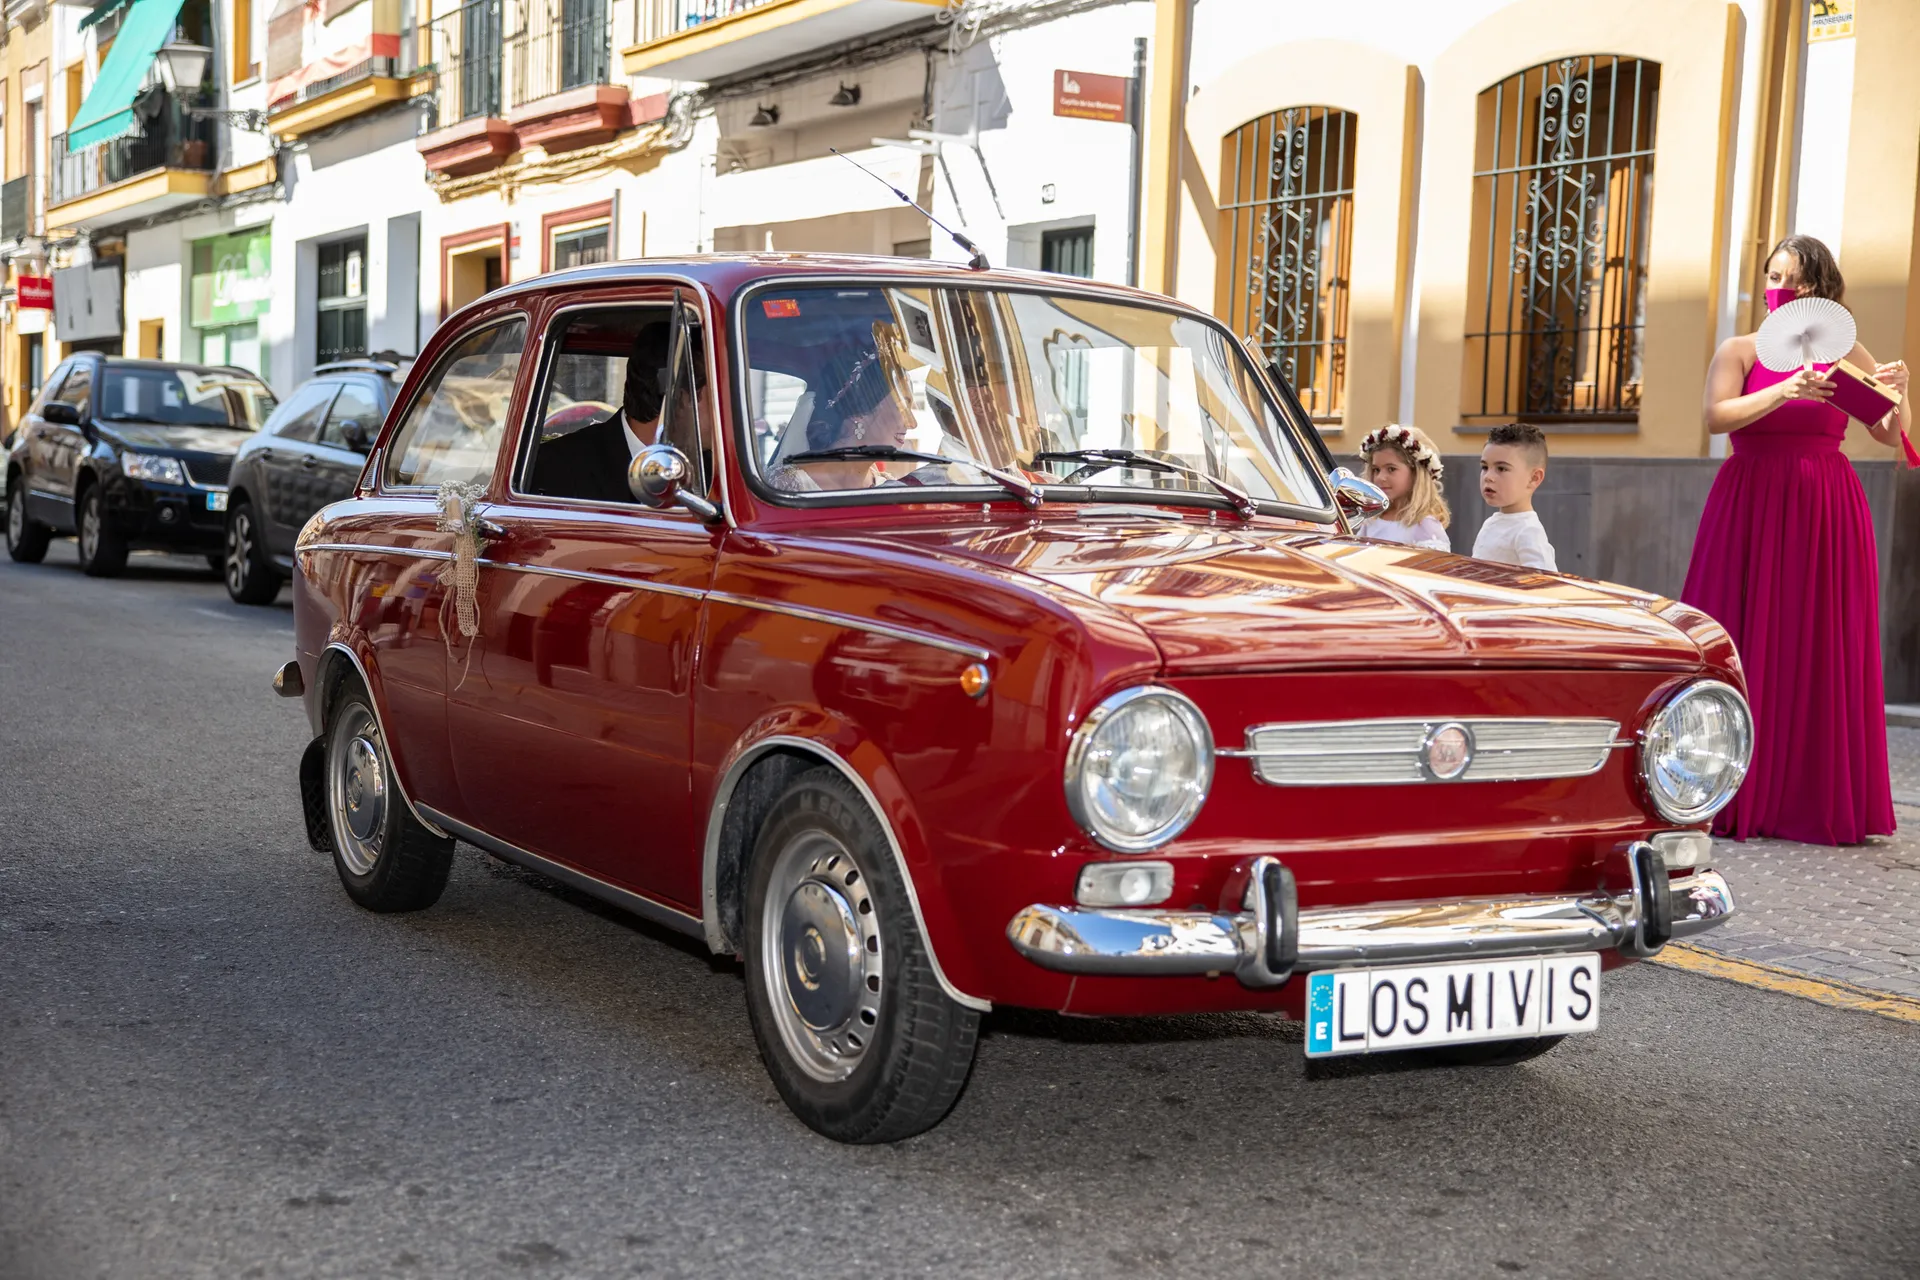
591, 463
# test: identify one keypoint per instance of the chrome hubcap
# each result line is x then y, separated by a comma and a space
357, 788
16, 517
821, 961
90, 530
239, 549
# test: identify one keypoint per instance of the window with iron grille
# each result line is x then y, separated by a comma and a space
1562, 200
341, 331
1287, 245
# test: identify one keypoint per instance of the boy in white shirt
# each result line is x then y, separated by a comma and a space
1512, 466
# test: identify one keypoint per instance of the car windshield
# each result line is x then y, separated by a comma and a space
184, 397
1001, 389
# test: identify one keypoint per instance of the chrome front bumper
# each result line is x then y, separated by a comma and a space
1250, 945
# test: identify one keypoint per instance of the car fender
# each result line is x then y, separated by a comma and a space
352, 648
841, 744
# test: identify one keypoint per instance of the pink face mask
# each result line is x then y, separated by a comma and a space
1778, 298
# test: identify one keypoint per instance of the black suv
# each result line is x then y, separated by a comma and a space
129, 453
309, 454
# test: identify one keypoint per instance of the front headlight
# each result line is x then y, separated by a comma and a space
1139, 768
149, 466
1695, 750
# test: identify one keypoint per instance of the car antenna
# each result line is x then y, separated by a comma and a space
976, 259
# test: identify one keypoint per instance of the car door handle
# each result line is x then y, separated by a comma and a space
265, 455
309, 462
490, 530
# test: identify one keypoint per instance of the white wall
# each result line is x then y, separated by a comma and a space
1826, 113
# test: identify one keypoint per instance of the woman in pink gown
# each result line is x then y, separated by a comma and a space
1785, 561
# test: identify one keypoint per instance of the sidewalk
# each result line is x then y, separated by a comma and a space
1851, 914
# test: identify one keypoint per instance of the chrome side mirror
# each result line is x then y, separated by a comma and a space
656, 476
1358, 498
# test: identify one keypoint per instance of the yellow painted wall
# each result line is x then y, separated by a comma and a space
1689, 39
1383, 93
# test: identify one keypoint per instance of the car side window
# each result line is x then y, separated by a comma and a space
50, 389
300, 417
605, 396
356, 403
452, 431
77, 390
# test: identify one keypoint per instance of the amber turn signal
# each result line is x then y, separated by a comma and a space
974, 681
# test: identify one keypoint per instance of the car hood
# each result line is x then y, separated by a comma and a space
1266, 597
154, 435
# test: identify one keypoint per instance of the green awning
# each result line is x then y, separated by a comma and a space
107, 111
102, 11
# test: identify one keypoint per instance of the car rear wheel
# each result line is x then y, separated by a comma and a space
103, 551
851, 1021
27, 538
249, 578
386, 859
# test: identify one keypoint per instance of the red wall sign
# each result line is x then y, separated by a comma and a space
1086, 96
36, 291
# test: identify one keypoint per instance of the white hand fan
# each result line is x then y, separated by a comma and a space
1805, 332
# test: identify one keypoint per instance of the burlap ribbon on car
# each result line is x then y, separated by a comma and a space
459, 502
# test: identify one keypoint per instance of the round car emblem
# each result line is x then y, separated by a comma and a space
1447, 752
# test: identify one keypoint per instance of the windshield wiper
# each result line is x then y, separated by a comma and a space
1096, 460
1019, 486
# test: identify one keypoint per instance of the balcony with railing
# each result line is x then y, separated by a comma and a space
713, 39
530, 74
167, 162
23, 204
372, 69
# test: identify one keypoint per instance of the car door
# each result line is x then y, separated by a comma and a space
44, 500
572, 729
65, 444
287, 464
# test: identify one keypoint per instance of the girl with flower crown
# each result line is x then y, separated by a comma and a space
1406, 467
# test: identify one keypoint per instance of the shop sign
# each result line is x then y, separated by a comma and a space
1082, 95
1831, 20
35, 291
233, 279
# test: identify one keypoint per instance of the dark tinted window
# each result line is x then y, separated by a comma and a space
300, 417
357, 402
78, 387
182, 397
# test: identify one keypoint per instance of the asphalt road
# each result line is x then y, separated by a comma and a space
211, 1064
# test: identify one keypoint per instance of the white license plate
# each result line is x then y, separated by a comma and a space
217, 501
1417, 1006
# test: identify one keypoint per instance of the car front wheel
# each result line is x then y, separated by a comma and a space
27, 538
851, 1021
103, 551
249, 578
386, 859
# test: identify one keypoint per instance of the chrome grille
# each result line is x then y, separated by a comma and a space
1362, 753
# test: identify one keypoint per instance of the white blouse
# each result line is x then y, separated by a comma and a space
1427, 533
1518, 538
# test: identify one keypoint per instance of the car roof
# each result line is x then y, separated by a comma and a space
129, 362
725, 273
355, 366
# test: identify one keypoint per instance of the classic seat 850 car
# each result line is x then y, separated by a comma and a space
932, 638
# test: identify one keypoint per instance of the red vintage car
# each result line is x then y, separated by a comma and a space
932, 638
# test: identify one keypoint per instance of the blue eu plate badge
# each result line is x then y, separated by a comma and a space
1320, 1013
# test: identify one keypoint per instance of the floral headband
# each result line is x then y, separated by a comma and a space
1403, 439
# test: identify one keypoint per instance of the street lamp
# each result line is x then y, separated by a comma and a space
183, 66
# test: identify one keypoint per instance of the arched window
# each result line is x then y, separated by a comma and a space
1562, 199
1287, 245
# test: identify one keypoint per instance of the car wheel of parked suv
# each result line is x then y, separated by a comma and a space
850, 1018
250, 579
386, 859
27, 538
103, 551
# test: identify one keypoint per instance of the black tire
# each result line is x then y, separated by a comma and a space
102, 548
27, 538
244, 567
386, 859
1491, 1053
882, 1052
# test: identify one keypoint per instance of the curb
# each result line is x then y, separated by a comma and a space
1903, 715
1827, 991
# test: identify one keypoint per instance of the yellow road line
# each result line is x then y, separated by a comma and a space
1841, 995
